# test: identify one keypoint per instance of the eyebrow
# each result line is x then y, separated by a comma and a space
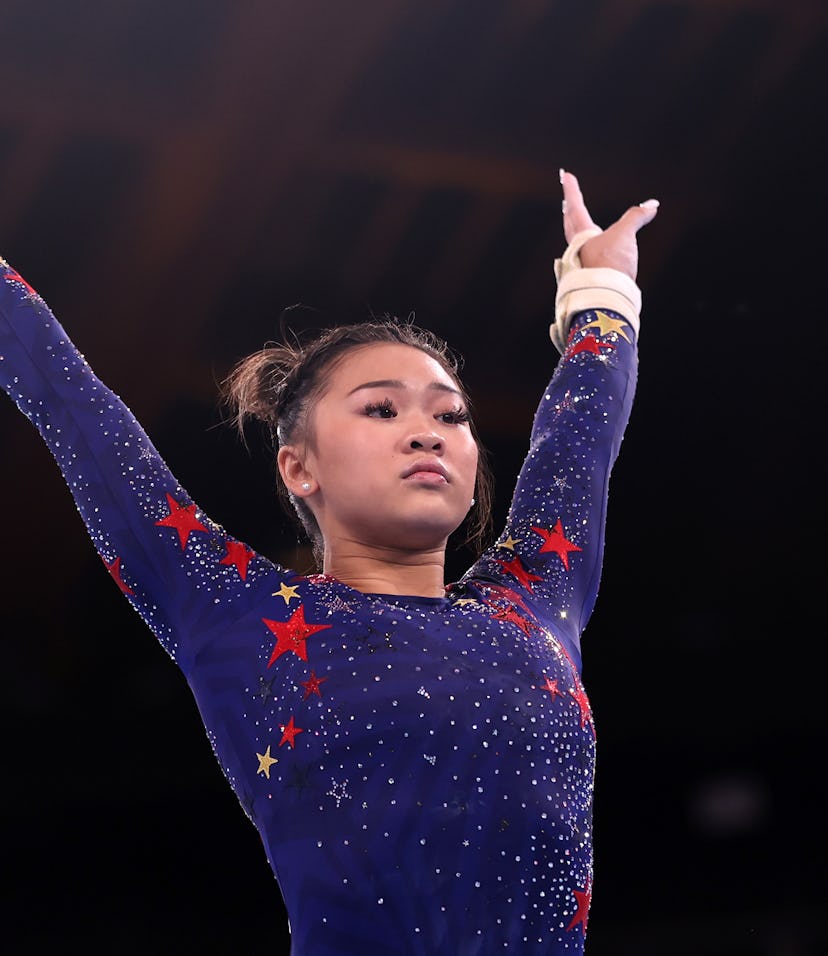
396, 383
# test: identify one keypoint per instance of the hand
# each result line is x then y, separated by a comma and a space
616, 247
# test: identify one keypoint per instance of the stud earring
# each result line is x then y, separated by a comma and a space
305, 486
473, 503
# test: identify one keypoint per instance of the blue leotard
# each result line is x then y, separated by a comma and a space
420, 770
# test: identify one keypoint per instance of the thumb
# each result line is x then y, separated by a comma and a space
638, 216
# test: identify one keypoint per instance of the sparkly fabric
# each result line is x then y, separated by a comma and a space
420, 770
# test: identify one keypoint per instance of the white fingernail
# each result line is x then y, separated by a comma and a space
649, 204
561, 174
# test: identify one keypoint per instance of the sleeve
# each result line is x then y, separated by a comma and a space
550, 553
181, 571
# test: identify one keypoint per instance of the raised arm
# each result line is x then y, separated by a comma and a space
180, 570
550, 553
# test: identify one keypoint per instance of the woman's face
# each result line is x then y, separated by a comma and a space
391, 455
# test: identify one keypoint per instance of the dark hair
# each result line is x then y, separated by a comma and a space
279, 385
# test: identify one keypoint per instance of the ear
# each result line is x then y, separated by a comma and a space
294, 474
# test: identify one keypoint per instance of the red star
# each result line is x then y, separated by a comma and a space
590, 344
507, 594
554, 540
115, 570
312, 685
183, 519
581, 699
583, 898
291, 634
318, 578
552, 687
14, 276
238, 554
289, 732
511, 616
516, 569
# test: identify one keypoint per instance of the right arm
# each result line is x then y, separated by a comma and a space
175, 566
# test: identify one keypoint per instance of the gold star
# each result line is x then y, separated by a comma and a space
461, 601
509, 543
286, 593
266, 762
606, 323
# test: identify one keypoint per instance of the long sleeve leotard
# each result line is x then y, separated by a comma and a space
420, 770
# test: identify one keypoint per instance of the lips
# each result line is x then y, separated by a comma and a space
426, 469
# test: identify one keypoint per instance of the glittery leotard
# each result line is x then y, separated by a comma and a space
420, 770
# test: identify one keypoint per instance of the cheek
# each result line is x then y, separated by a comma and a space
345, 455
472, 456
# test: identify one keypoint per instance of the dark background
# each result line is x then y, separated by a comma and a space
174, 174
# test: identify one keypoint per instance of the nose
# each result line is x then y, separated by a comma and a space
427, 441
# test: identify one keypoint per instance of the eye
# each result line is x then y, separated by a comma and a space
457, 416
383, 409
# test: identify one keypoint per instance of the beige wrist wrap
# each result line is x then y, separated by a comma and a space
580, 289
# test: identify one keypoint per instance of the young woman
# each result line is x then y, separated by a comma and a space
417, 757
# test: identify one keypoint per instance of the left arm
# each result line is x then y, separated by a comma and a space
550, 553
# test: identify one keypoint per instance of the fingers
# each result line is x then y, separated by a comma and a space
576, 216
637, 216
614, 247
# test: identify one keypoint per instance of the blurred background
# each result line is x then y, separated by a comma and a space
174, 174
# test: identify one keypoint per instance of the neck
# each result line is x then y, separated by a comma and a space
387, 571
